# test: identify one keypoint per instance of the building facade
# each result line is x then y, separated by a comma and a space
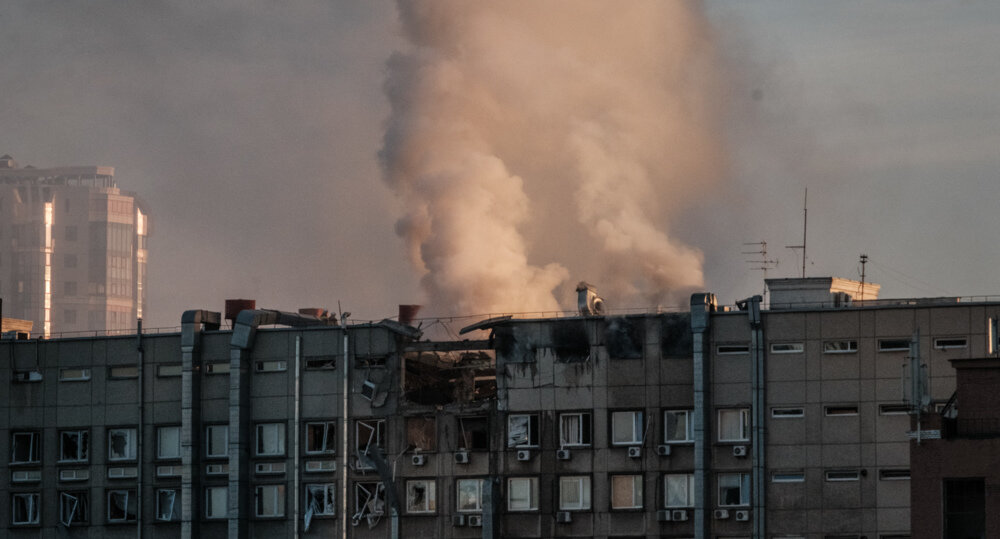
714, 422
73, 249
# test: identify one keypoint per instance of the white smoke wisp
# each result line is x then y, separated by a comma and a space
531, 139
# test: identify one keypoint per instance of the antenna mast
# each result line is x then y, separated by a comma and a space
864, 260
805, 224
765, 263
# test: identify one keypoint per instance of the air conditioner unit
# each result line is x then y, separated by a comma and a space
663, 450
523, 454
475, 521
721, 514
461, 457
743, 516
458, 520
739, 450
664, 515
635, 452
564, 517
563, 454
679, 515
418, 460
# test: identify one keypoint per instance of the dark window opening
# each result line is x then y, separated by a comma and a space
473, 433
964, 508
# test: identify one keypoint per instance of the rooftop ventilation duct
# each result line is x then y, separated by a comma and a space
587, 300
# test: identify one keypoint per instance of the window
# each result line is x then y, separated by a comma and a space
270, 439
626, 492
473, 433
421, 433
522, 430
121, 506
121, 444
734, 425
74, 375
574, 493
216, 502
841, 410
272, 366
951, 342
732, 349
320, 501
678, 490
893, 409
788, 477
787, 348
321, 363
123, 372
421, 496
369, 499
216, 441
840, 347
368, 434
165, 371
574, 430
893, 345
24, 508
321, 437
787, 413
843, 475
897, 474
522, 494
217, 368
167, 507
678, 427
74, 508
270, 501
470, 495
626, 428
734, 489
74, 445
29, 376
25, 448
168, 443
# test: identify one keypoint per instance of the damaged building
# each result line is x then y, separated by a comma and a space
742, 421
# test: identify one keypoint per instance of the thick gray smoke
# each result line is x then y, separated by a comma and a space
534, 144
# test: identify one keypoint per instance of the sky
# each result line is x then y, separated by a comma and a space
252, 130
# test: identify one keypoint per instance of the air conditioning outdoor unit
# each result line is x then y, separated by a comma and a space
664, 515
564, 517
739, 450
563, 454
475, 521
721, 514
523, 454
418, 460
679, 515
635, 452
461, 457
458, 520
663, 450
743, 516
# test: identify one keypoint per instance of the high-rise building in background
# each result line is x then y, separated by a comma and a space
72, 249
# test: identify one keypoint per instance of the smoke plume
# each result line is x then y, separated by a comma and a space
535, 144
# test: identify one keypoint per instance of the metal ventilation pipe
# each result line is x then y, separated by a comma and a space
587, 300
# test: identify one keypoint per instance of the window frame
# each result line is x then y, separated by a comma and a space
34, 447
832, 346
583, 484
688, 415
175, 507
732, 349
638, 427
130, 447
375, 490
841, 476
841, 411
743, 484
376, 436
208, 507
894, 345
481, 485
129, 497
208, 441
636, 483
123, 372
329, 500
788, 412
84, 447
159, 442
329, 439
80, 513
265, 366
744, 426
793, 347
430, 497
261, 446
532, 430
584, 429
689, 490
950, 343
32, 508
788, 476
84, 374
277, 491
533, 494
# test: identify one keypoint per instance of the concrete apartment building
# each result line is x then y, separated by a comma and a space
73, 251
714, 422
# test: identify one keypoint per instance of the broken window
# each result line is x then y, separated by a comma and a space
513, 345
626, 492
74, 445
369, 502
168, 443
470, 495
25, 448
216, 441
167, 507
216, 502
321, 363
574, 493
421, 496
675, 336
121, 506
522, 494
270, 439
320, 501
74, 508
321, 437
734, 489
570, 341
368, 434
677, 426
626, 428
624, 338
522, 430
574, 429
270, 501
24, 508
473, 433
421, 433
121, 444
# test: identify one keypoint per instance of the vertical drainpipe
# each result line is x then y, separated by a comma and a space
346, 370
758, 439
702, 307
191, 327
138, 432
296, 438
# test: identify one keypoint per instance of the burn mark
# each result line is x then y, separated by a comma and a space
570, 341
624, 338
512, 345
675, 336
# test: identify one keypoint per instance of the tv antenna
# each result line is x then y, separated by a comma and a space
864, 260
764, 263
805, 224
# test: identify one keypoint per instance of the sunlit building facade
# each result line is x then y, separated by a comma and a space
73, 249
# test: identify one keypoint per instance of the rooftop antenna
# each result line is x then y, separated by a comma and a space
805, 224
764, 263
864, 260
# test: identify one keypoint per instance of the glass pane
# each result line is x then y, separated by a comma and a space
517, 430
169, 442
469, 491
